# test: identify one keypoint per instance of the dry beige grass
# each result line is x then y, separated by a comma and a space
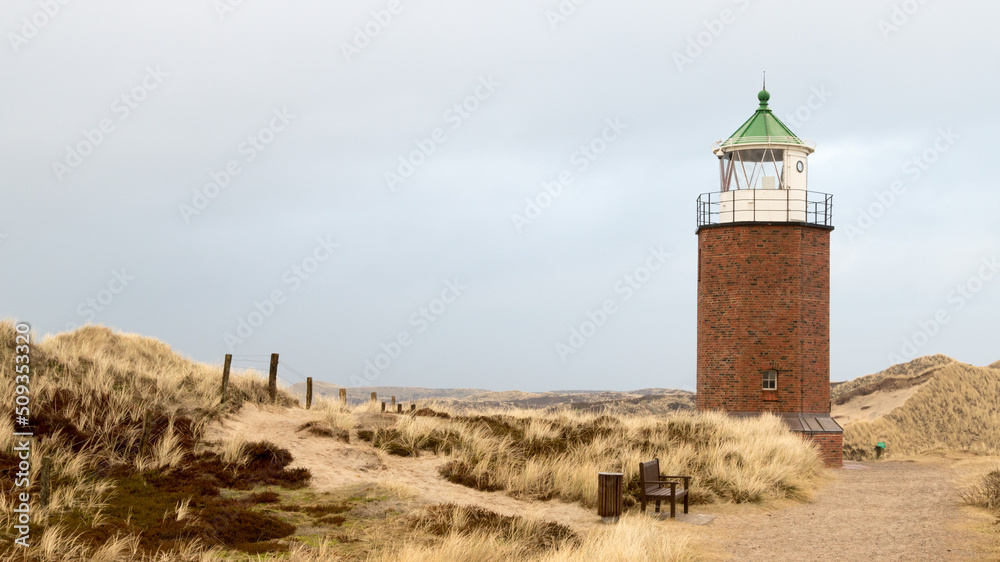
104, 383
632, 539
100, 384
546, 455
867, 384
955, 409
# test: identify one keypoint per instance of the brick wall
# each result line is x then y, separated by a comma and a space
764, 303
831, 447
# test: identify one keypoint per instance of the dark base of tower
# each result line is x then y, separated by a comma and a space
831, 447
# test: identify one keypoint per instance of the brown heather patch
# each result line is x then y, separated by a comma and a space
264, 497
445, 519
317, 510
323, 429
462, 473
498, 425
429, 413
396, 442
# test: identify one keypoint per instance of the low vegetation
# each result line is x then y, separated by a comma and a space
479, 535
556, 455
986, 493
123, 420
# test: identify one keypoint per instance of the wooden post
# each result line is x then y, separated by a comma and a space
309, 392
45, 481
225, 375
383, 406
343, 396
374, 397
144, 441
399, 408
609, 496
393, 401
272, 378
413, 407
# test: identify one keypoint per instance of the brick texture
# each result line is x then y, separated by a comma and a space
764, 303
831, 447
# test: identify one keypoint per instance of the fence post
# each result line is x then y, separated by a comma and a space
374, 397
309, 392
272, 378
45, 481
383, 406
343, 396
393, 401
225, 376
413, 407
399, 408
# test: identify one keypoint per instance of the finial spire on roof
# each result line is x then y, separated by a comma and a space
763, 96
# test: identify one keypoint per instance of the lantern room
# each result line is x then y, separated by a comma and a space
763, 175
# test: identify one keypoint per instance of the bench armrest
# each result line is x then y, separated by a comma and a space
686, 479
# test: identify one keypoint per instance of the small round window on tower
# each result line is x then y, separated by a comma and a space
800, 166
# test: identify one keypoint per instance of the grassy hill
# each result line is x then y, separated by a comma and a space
121, 418
897, 376
949, 405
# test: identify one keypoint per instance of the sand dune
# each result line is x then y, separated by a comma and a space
931, 403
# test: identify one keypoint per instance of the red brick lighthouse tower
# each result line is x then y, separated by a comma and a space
764, 284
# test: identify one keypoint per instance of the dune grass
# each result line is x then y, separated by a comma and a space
986, 493
557, 454
631, 539
956, 410
113, 498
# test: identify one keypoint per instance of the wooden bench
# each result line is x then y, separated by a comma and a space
657, 488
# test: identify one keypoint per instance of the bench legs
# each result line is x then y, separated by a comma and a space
673, 506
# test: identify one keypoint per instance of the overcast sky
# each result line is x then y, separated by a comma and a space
335, 182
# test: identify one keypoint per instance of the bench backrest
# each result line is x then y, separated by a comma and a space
649, 472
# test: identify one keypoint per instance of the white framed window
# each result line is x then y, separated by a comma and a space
770, 379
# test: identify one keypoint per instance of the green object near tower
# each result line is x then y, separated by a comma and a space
763, 127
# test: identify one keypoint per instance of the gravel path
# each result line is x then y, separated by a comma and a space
896, 510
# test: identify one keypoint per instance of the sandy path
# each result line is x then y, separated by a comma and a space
896, 510
335, 465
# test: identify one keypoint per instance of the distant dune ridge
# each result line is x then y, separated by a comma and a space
402, 393
930, 403
642, 401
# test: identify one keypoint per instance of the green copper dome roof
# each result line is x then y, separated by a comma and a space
762, 127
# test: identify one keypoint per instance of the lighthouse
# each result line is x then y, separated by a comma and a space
764, 283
